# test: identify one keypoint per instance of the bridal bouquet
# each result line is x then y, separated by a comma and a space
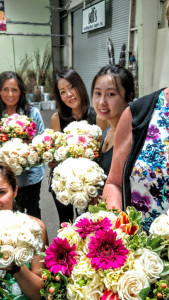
16, 126
20, 238
80, 139
77, 181
15, 154
104, 255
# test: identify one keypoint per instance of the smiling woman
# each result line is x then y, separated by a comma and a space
73, 105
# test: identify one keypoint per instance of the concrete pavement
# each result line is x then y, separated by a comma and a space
48, 208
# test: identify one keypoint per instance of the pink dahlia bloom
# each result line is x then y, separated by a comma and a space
106, 252
88, 226
82, 141
33, 125
60, 256
30, 131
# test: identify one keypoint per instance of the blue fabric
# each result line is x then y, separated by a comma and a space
34, 175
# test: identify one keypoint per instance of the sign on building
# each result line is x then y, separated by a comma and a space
93, 17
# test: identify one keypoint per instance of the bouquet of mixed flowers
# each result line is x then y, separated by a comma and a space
16, 126
77, 181
44, 145
103, 255
79, 139
20, 238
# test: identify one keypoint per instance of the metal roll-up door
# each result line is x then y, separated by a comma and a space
90, 49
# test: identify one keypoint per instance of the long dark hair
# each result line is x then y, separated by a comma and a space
125, 76
76, 81
7, 173
22, 103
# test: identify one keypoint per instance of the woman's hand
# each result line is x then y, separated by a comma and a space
52, 164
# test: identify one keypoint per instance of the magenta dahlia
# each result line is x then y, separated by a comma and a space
105, 251
88, 226
60, 256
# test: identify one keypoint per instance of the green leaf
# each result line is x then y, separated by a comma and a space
5, 294
134, 216
144, 293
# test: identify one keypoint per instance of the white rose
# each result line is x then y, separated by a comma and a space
74, 184
47, 156
12, 162
89, 154
92, 191
60, 153
8, 256
33, 157
25, 239
23, 255
149, 263
63, 197
160, 226
130, 285
8, 238
79, 200
18, 170
22, 161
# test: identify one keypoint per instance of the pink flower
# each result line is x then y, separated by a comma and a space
82, 141
88, 226
30, 131
20, 123
69, 136
109, 295
33, 125
47, 139
105, 251
60, 256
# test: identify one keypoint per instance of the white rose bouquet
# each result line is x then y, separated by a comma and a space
104, 255
16, 126
20, 238
83, 127
76, 181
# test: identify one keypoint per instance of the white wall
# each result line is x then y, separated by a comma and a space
14, 47
161, 63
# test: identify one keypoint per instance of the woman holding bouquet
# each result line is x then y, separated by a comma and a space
25, 281
73, 105
139, 174
112, 89
13, 100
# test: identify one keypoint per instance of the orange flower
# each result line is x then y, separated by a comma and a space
3, 137
124, 223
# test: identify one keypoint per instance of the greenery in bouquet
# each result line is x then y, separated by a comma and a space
16, 126
76, 181
106, 255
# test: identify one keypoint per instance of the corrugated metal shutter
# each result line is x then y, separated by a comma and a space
90, 49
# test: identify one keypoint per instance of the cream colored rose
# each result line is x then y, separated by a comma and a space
33, 157
149, 263
79, 200
130, 284
63, 197
8, 256
47, 156
160, 226
92, 191
12, 162
18, 170
8, 238
23, 255
60, 154
22, 161
74, 184
89, 154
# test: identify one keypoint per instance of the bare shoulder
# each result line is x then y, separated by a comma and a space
40, 222
44, 230
55, 122
124, 127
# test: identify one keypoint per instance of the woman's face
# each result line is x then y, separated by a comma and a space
7, 195
108, 102
69, 94
10, 92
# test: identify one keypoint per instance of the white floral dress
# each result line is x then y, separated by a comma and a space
150, 175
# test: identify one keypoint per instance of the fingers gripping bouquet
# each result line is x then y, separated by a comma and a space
76, 181
102, 255
16, 126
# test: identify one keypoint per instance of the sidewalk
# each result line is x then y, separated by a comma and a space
48, 208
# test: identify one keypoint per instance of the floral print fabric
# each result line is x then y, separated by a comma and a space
150, 175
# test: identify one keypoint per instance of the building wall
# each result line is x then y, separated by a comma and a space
14, 47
